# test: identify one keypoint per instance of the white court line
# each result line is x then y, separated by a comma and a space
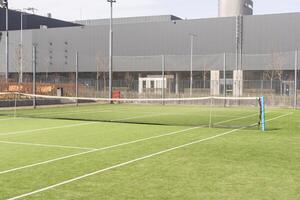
83, 111
134, 161
68, 126
137, 117
235, 119
76, 112
46, 145
46, 129
101, 149
45, 162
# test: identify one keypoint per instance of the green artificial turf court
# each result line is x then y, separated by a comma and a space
149, 152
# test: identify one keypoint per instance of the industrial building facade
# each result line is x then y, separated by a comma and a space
245, 46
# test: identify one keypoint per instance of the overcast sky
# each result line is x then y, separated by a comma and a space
92, 9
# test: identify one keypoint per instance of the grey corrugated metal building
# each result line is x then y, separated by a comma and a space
30, 21
140, 42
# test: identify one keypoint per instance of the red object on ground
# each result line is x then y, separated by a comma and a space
116, 94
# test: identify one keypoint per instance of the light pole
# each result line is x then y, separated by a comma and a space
5, 4
21, 41
192, 36
111, 47
21, 47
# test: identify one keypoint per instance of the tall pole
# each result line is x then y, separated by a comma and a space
191, 67
34, 74
163, 63
224, 74
21, 51
296, 80
76, 77
111, 48
7, 43
236, 79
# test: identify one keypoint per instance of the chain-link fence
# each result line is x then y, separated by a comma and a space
47, 71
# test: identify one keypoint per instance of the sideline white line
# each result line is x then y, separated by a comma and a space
231, 120
134, 161
45, 162
119, 165
101, 149
46, 145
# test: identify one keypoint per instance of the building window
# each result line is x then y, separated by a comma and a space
152, 84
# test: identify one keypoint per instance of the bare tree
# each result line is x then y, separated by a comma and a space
129, 79
102, 68
276, 71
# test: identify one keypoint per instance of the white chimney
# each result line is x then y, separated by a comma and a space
230, 8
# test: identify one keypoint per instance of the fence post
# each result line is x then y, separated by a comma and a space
296, 79
76, 77
224, 78
34, 75
191, 67
163, 76
7, 46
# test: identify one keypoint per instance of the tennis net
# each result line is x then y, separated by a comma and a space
221, 112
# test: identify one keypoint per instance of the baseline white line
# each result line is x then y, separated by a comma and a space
46, 129
134, 161
46, 145
102, 149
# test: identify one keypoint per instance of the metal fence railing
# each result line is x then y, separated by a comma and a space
157, 76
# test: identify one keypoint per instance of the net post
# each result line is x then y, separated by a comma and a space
263, 116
